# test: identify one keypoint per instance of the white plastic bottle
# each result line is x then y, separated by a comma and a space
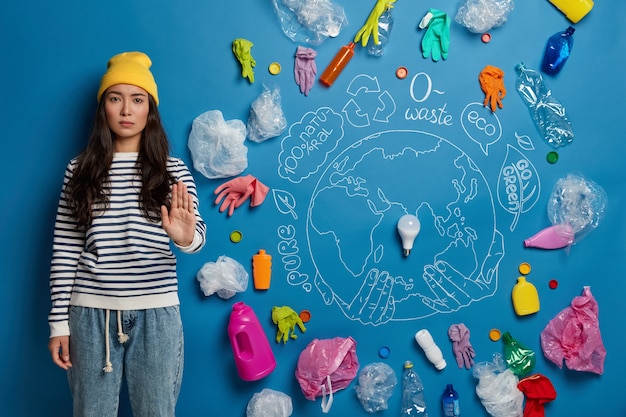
432, 351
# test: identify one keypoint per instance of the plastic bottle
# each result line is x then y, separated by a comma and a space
574, 10
262, 270
337, 65
432, 351
553, 237
558, 49
385, 24
525, 297
251, 349
413, 403
450, 401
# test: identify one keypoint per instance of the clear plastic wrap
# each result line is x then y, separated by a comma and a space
217, 146
578, 202
376, 383
269, 403
226, 277
546, 111
479, 16
497, 388
267, 119
310, 21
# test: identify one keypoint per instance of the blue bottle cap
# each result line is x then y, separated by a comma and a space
384, 352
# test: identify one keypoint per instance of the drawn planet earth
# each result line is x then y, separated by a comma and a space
353, 239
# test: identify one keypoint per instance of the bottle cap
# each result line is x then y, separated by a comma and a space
384, 352
486, 37
236, 236
274, 68
494, 334
553, 284
524, 268
305, 315
402, 72
552, 157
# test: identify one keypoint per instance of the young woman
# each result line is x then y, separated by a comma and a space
115, 307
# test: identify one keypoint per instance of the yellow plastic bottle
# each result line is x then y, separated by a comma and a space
525, 297
262, 270
574, 10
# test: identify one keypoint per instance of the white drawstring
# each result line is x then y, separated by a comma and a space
121, 337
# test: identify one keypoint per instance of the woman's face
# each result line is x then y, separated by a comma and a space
126, 107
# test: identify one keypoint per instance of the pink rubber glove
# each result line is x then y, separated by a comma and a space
305, 69
463, 350
235, 192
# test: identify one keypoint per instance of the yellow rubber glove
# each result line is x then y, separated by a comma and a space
241, 49
370, 28
286, 319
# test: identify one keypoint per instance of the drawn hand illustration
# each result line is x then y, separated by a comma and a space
373, 303
452, 290
436, 40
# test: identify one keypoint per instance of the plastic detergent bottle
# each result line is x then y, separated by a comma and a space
450, 401
557, 51
432, 351
262, 270
337, 65
251, 349
525, 297
553, 237
574, 10
413, 403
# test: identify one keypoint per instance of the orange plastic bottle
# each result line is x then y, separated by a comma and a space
337, 65
262, 270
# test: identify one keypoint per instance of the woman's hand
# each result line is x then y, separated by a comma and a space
180, 222
59, 348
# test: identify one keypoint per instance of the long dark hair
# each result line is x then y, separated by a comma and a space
85, 190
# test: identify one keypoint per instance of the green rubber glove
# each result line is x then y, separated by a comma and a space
436, 40
370, 28
286, 319
241, 49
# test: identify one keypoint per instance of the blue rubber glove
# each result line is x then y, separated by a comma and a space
436, 40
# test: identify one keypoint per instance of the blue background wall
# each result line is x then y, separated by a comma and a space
54, 54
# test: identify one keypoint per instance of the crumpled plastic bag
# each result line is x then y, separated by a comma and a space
376, 383
479, 16
326, 366
269, 403
224, 276
497, 388
310, 21
267, 119
574, 336
520, 359
217, 146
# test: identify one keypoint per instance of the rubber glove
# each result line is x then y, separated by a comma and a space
436, 40
463, 350
305, 69
286, 319
538, 390
492, 83
235, 192
370, 28
241, 49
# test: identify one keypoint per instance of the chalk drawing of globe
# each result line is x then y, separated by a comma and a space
353, 240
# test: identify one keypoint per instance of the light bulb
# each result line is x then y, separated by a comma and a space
408, 228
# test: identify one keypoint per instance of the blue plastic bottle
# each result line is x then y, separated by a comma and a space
557, 51
413, 403
450, 400
385, 24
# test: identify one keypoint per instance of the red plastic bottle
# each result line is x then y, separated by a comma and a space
337, 65
251, 349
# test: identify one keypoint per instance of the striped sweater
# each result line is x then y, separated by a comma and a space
122, 261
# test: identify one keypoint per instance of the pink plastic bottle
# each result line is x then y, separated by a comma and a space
251, 349
553, 237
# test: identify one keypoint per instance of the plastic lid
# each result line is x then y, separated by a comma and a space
236, 236
274, 68
553, 284
486, 37
305, 315
384, 352
552, 157
402, 72
524, 268
494, 334
408, 364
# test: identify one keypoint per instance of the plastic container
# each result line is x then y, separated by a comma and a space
450, 402
262, 270
432, 351
574, 10
553, 237
525, 297
558, 49
385, 24
337, 65
413, 402
253, 355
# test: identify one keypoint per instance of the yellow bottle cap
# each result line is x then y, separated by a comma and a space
274, 68
524, 268
494, 334
236, 236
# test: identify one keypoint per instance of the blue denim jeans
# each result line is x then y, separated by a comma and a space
151, 360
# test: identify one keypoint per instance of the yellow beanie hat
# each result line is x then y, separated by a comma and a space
130, 68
